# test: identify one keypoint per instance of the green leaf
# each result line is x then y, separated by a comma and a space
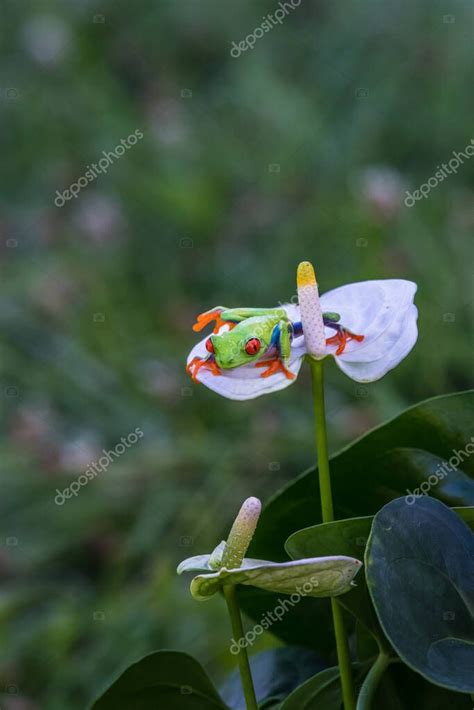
298, 622
377, 468
420, 575
275, 674
401, 688
163, 679
323, 691
343, 534
366, 647
349, 537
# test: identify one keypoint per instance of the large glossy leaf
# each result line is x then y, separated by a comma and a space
164, 679
403, 689
399, 689
382, 465
349, 537
309, 620
420, 575
323, 691
343, 534
275, 673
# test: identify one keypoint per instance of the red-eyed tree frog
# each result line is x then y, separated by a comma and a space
260, 335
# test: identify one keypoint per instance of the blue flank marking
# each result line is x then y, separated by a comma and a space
297, 329
275, 340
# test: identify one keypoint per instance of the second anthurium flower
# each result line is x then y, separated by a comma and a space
368, 327
227, 564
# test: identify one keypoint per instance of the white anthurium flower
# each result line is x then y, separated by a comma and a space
313, 577
367, 327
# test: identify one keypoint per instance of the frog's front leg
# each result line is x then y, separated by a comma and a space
281, 341
197, 363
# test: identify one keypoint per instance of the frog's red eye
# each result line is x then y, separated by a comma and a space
252, 346
209, 346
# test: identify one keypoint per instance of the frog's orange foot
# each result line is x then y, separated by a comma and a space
204, 319
197, 363
274, 366
341, 339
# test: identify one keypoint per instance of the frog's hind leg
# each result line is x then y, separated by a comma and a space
281, 340
342, 337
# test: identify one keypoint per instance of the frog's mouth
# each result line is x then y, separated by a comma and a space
230, 364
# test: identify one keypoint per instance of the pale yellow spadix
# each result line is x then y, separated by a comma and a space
241, 533
310, 309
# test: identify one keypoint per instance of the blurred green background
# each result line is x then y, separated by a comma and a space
301, 148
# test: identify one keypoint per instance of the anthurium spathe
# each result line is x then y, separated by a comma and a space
367, 327
313, 577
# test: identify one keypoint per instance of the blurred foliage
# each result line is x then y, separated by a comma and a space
301, 148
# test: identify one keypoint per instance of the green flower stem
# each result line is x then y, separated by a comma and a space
372, 680
343, 656
242, 657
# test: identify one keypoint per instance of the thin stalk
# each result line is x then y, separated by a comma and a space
372, 680
242, 657
342, 645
